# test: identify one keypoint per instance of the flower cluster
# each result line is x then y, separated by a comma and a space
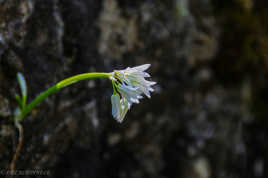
128, 87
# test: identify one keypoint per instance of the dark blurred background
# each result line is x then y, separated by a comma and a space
208, 116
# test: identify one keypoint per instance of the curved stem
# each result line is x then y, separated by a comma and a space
80, 77
36, 101
58, 86
11, 166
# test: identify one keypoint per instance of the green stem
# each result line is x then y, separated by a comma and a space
79, 77
58, 86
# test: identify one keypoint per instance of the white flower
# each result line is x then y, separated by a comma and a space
119, 107
129, 85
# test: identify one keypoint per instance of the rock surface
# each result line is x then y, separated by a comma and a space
207, 117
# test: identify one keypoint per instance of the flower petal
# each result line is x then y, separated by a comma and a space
115, 99
142, 67
130, 83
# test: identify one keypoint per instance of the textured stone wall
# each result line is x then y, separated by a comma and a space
207, 117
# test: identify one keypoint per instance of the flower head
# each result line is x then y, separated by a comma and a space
129, 85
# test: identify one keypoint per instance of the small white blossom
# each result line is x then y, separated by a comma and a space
115, 99
129, 85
